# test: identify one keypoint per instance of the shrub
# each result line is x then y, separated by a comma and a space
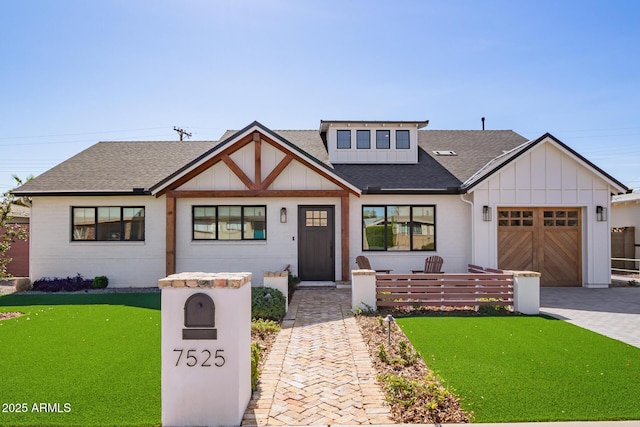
256, 351
267, 303
100, 282
57, 284
264, 328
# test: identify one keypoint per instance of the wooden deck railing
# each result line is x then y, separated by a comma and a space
445, 290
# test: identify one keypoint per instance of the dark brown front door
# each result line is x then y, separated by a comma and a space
316, 243
547, 240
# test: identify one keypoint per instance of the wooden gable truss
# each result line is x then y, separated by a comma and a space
255, 187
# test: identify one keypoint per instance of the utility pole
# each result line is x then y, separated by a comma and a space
182, 133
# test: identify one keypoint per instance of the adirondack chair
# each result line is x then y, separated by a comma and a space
433, 264
364, 264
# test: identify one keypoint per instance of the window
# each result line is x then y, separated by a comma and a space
316, 218
229, 222
398, 228
383, 139
344, 139
108, 223
363, 139
402, 139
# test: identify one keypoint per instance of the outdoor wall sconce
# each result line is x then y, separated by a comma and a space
283, 215
601, 213
486, 213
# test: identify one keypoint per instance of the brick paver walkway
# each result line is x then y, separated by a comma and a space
318, 371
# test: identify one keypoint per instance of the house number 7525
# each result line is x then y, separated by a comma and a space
203, 358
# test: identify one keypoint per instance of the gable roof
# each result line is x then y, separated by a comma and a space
119, 168
302, 155
497, 163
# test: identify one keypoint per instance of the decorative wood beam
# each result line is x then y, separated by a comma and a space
238, 172
258, 161
170, 256
276, 172
344, 220
256, 193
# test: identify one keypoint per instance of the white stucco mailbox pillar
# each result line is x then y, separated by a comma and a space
206, 356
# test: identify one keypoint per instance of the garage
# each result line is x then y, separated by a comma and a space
543, 239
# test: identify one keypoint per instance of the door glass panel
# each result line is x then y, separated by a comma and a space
316, 218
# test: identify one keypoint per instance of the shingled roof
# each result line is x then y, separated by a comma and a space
116, 168
135, 167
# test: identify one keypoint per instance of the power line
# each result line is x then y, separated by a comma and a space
79, 133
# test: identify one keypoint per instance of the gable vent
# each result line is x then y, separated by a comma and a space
445, 153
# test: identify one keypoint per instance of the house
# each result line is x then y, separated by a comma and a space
259, 199
625, 231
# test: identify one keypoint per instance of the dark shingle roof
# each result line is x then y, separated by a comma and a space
427, 175
474, 148
119, 167
116, 167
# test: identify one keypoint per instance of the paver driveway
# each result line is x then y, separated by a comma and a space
614, 312
318, 371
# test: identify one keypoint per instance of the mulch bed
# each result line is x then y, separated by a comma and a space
423, 408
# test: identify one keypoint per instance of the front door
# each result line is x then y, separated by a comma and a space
316, 234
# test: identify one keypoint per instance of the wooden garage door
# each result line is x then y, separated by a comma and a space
547, 240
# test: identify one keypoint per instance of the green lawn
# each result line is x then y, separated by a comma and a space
91, 359
529, 368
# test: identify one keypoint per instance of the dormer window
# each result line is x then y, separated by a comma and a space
344, 139
402, 140
371, 142
383, 139
363, 139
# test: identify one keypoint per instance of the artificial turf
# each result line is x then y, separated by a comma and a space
529, 368
81, 359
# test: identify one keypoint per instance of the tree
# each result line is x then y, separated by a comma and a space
10, 232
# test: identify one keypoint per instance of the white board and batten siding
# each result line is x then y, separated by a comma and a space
126, 264
547, 176
372, 154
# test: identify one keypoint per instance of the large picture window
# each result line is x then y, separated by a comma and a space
229, 223
398, 228
107, 223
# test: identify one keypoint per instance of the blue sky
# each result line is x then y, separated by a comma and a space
73, 73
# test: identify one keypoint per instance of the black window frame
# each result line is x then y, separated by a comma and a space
411, 228
217, 220
388, 139
96, 224
404, 131
343, 131
368, 139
